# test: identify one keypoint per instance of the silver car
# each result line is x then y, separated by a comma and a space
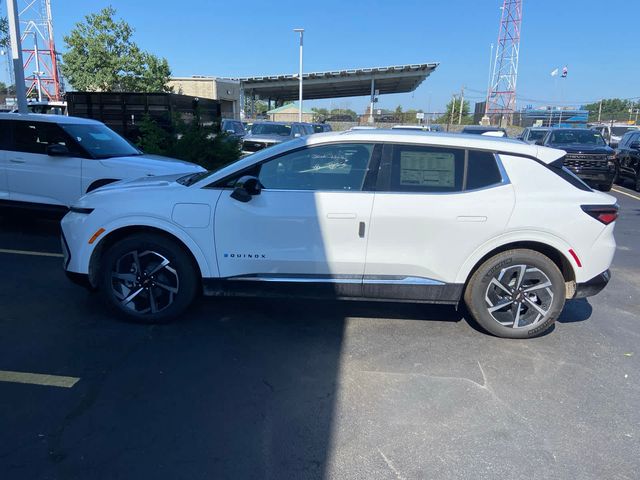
266, 134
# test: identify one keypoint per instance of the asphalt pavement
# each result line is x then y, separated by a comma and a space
273, 389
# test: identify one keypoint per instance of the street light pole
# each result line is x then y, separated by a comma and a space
301, 32
16, 54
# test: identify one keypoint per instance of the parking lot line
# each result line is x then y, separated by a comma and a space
27, 252
625, 193
38, 379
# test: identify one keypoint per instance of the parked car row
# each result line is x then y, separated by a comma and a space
267, 134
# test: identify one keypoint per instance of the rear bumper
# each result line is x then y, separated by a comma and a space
593, 286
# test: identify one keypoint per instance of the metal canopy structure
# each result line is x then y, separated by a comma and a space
339, 83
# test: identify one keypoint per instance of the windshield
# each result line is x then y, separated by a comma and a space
620, 131
582, 137
271, 129
100, 141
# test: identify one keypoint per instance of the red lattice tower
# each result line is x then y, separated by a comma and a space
501, 98
42, 76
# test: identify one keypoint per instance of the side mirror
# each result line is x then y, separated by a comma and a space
57, 150
540, 142
230, 130
296, 135
635, 145
245, 188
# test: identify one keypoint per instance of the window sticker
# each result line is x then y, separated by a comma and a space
427, 169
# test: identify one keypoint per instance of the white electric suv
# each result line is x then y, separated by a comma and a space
378, 215
49, 161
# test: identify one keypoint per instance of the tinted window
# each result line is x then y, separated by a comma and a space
426, 169
328, 167
482, 170
5, 134
583, 137
536, 134
35, 137
271, 129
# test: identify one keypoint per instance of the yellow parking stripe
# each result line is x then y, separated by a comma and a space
38, 379
625, 193
27, 252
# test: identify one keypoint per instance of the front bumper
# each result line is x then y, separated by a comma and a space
593, 286
595, 176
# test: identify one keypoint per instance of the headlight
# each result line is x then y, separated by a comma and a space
611, 157
82, 210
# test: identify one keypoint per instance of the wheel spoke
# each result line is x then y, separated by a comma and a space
152, 301
166, 287
132, 296
520, 276
516, 317
159, 267
537, 287
127, 277
536, 306
501, 305
498, 284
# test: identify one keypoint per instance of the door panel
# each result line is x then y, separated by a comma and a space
435, 207
5, 142
34, 176
285, 233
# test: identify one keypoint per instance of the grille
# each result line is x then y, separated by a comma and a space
253, 146
575, 163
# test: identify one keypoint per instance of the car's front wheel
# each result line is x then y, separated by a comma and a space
148, 278
516, 294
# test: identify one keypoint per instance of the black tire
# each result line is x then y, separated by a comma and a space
171, 288
605, 187
636, 183
530, 300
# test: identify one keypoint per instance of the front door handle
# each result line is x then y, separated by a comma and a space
361, 230
17, 160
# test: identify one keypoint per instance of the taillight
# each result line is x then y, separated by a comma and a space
603, 213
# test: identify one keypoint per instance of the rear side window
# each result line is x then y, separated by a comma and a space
417, 168
482, 170
5, 135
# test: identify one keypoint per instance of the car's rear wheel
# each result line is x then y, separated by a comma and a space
516, 294
148, 278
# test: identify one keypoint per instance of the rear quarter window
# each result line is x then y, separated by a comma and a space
482, 170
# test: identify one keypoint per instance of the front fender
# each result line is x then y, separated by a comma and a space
82, 250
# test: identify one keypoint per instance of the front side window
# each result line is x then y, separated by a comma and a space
100, 141
426, 169
327, 167
35, 137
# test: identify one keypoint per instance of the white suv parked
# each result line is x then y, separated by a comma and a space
379, 215
52, 160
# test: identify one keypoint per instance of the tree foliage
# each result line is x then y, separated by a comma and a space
612, 109
101, 56
4, 33
452, 112
193, 141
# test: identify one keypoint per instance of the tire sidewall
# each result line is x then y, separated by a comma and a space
476, 290
179, 260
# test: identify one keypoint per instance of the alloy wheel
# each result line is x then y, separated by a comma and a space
520, 296
144, 282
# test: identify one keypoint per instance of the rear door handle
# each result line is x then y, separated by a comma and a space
17, 160
361, 230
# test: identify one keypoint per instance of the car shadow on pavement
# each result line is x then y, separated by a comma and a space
577, 310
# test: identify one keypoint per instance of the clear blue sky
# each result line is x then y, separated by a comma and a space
597, 40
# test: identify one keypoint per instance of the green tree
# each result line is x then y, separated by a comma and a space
4, 33
344, 111
101, 56
612, 109
398, 110
452, 113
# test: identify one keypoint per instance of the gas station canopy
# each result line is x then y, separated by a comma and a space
339, 83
